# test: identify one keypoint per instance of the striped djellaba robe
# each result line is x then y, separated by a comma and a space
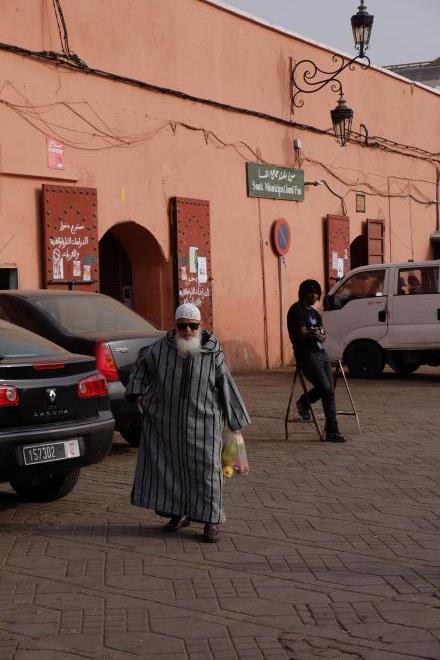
185, 400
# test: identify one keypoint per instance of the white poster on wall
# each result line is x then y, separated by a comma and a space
77, 268
202, 270
193, 259
340, 268
57, 265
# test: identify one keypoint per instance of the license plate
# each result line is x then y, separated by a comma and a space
49, 452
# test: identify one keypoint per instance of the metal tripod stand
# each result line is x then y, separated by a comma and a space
298, 375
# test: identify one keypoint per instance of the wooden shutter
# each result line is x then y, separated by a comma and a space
70, 238
376, 241
193, 251
338, 247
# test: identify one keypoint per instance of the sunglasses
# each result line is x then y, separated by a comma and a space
191, 326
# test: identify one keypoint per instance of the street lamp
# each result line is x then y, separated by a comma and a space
342, 117
362, 24
307, 77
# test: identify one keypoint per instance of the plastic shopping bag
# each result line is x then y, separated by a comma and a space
234, 458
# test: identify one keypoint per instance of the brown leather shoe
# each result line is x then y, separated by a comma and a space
211, 533
175, 523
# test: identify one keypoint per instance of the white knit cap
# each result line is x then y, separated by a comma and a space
188, 311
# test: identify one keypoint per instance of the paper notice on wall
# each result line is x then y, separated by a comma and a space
340, 268
76, 269
193, 259
202, 270
87, 273
183, 274
334, 260
55, 154
57, 265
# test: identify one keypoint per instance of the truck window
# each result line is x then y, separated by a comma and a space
367, 284
416, 281
4, 313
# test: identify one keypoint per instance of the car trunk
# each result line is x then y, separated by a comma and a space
47, 390
125, 352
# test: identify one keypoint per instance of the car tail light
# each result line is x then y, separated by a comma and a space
43, 366
92, 386
9, 396
105, 362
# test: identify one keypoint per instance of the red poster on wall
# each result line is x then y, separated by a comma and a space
193, 258
55, 154
70, 238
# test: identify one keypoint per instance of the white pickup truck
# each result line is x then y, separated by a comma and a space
385, 313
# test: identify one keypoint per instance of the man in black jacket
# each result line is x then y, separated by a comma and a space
307, 335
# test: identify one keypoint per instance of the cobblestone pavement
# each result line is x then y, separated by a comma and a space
329, 551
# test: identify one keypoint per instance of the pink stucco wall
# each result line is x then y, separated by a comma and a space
196, 47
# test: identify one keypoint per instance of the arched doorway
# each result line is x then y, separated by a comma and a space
115, 270
359, 251
135, 271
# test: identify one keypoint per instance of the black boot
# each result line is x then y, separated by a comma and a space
303, 409
334, 436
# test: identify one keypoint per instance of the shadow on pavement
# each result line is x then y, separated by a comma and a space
112, 530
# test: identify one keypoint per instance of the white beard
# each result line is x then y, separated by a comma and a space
189, 346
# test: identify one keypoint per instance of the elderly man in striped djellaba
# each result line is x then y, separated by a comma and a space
186, 393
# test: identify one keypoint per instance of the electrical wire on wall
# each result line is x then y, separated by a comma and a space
407, 190
74, 62
38, 118
67, 52
369, 189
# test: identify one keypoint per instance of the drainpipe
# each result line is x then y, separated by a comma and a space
281, 268
438, 200
263, 279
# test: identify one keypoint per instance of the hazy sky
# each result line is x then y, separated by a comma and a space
403, 30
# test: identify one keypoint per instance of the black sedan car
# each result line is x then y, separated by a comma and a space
91, 324
54, 414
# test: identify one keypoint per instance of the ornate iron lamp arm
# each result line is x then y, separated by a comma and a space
307, 77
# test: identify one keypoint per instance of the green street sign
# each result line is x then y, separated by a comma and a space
275, 182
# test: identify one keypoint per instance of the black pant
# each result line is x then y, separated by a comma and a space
317, 369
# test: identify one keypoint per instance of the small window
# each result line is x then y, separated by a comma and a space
417, 281
8, 278
367, 284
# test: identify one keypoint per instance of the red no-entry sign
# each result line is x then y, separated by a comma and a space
281, 237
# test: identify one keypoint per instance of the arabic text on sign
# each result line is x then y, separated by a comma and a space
64, 241
276, 175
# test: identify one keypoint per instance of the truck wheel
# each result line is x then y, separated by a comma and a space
364, 359
132, 436
403, 364
48, 487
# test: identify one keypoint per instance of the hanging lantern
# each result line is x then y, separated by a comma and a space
362, 24
342, 117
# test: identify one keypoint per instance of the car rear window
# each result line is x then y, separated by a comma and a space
84, 314
18, 342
